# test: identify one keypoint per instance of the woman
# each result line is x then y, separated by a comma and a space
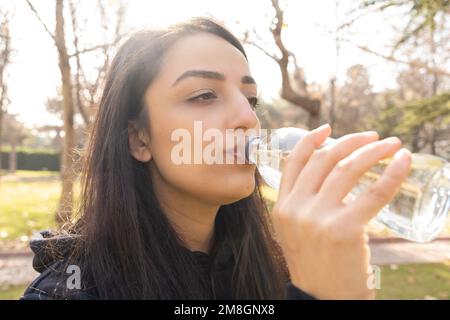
150, 228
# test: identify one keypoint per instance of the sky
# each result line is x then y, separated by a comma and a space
309, 33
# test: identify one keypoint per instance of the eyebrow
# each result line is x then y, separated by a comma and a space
210, 75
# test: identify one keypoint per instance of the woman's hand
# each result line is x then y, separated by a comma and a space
323, 238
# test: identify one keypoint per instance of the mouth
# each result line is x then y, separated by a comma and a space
236, 154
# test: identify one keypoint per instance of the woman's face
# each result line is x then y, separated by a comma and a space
203, 79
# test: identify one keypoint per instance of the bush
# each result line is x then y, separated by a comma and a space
28, 159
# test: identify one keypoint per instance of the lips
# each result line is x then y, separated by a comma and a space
238, 153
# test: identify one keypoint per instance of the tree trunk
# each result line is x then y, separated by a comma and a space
312, 106
13, 156
67, 175
4, 61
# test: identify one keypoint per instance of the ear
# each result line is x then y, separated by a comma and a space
138, 141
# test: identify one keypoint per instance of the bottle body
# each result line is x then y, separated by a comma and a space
419, 210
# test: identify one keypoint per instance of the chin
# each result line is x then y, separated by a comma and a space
238, 187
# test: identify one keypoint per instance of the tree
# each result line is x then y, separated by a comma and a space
293, 86
5, 55
73, 84
13, 136
411, 120
87, 89
433, 112
422, 44
414, 84
354, 101
424, 15
424, 19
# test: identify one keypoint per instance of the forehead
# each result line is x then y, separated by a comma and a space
203, 51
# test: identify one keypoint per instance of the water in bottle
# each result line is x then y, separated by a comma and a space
419, 210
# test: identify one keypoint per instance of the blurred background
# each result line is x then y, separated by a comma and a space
382, 65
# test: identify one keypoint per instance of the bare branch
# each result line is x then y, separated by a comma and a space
312, 106
351, 21
87, 50
272, 56
413, 64
79, 102
277, 28
41, 21
86, 90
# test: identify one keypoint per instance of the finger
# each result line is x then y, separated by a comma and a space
348, 171
378, 195
299, 156
322, 161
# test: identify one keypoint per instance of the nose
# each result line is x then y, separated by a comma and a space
242, 115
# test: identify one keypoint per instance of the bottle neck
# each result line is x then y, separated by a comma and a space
254, 143
251, 147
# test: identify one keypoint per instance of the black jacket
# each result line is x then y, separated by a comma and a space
51, 264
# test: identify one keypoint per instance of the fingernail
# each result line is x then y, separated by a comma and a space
322, 127
402, 154
392, 140
371, 133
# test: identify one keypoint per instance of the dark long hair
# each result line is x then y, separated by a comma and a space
130, 248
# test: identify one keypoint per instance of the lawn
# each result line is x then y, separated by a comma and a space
27, 207
29, 173
12, 293
27, 204
415, 281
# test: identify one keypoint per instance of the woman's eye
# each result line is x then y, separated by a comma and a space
253, 101
210, 96
203, 97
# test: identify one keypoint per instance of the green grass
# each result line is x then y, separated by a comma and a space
29, 173
29, 150
27, 207
415, 281
12, 293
